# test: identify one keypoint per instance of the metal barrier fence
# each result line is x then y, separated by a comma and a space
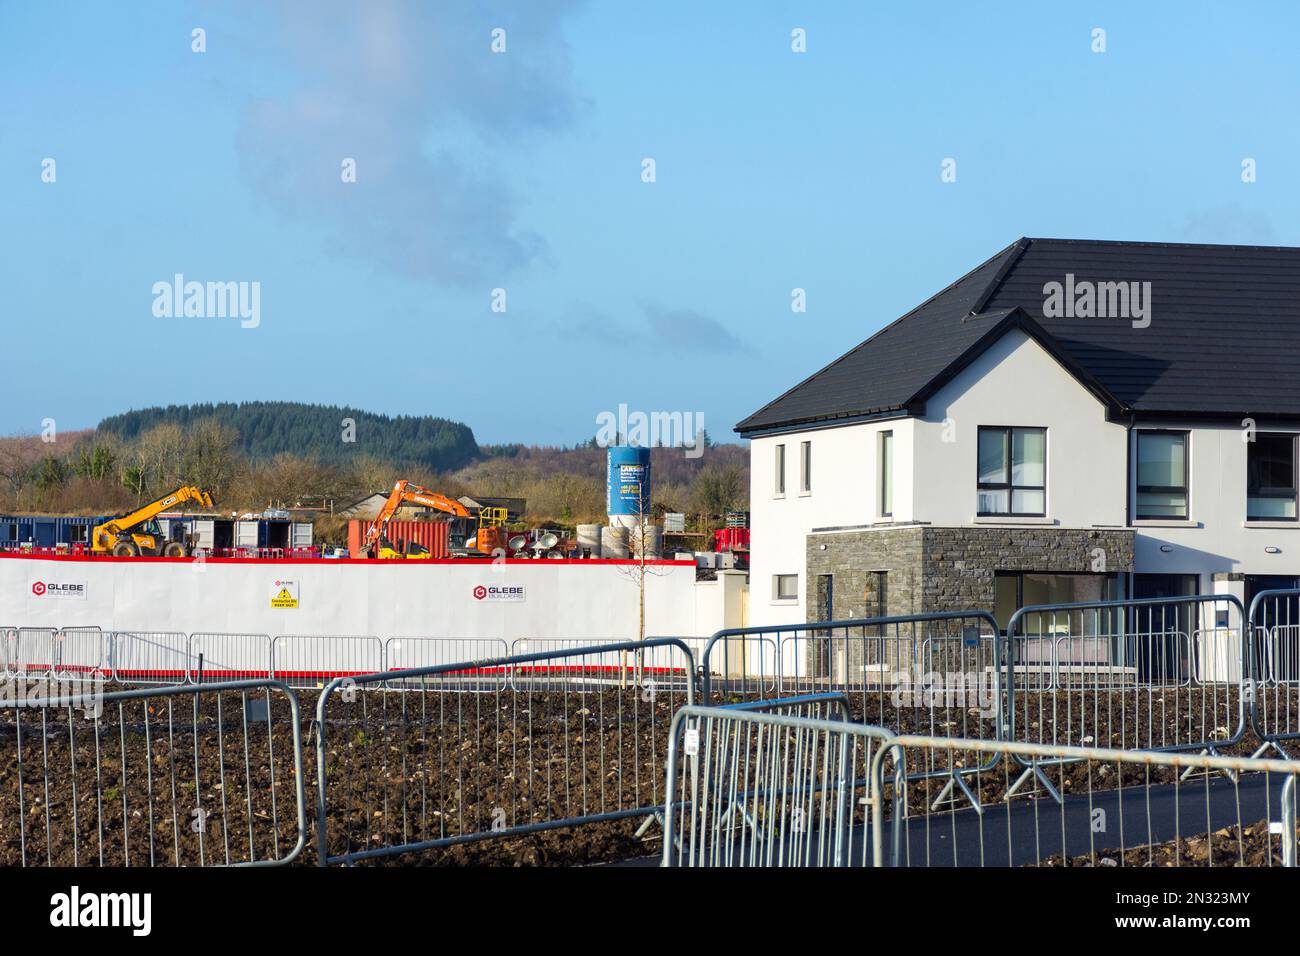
187, 776
749, 785
1158, 674
444, 763
149, 657
647, 664
1275, 668
310, 661
1119, 808
938, 673
66, 654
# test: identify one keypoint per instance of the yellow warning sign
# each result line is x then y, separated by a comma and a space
284, 594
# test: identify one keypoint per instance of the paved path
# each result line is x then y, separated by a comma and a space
1026, 831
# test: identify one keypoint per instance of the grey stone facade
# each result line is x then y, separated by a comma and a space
946, 569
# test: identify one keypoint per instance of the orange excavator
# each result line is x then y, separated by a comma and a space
376, 541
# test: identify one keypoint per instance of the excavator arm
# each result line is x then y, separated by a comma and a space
406, 493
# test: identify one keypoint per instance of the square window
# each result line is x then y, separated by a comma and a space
785, 587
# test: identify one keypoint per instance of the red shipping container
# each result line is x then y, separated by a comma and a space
432, 534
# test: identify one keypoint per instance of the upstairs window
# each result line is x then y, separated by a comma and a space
886, 474
1012, 471
1161, 475
1271, 478
780, 471
805, 467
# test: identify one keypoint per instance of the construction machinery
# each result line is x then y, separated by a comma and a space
491, 538
376, 542
137, 532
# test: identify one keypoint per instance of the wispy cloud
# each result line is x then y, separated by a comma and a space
1229, 224
412, 91
660, 327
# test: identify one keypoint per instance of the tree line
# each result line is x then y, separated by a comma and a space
103, 472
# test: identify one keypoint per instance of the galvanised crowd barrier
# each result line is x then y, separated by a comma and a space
939, 673
184, 776
407, 653
61, 653
1150, 674
1275, 668
35, 652
443, 763
313, 661
83, 653
749, 785
829, 706
149, 657
217, 657
1120, 807
619, 664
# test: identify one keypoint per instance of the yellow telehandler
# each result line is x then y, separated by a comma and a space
137, 532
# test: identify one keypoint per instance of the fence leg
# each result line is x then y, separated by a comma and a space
1031, 772
1192, 773
948, 797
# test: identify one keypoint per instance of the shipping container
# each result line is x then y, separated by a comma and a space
432, 534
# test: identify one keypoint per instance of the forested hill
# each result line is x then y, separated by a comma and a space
267, 429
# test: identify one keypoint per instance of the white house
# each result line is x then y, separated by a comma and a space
1070, 421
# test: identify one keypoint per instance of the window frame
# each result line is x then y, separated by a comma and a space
1139, 488
805, 467
779, 489
776, 589
1294, 495
1009, 486
886, 472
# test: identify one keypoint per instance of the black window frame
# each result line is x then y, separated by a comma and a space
1139, 488
1008, 486
1294, 491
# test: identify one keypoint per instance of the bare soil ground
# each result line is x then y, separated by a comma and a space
156, 784
1251, 845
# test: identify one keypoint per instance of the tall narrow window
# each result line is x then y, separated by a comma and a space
805, 467
1012, 477
1161, 474
780, 470
1271, 478
886, 474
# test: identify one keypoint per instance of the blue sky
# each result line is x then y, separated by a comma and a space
522, 171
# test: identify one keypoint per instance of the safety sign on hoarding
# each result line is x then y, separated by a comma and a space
284, 594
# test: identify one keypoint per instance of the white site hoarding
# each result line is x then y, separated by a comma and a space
462, 599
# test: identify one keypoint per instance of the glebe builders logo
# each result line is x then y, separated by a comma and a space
59, 589
499, 592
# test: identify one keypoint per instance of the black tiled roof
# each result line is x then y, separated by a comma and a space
1224, 336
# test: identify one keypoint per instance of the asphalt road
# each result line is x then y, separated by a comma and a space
1026, 831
